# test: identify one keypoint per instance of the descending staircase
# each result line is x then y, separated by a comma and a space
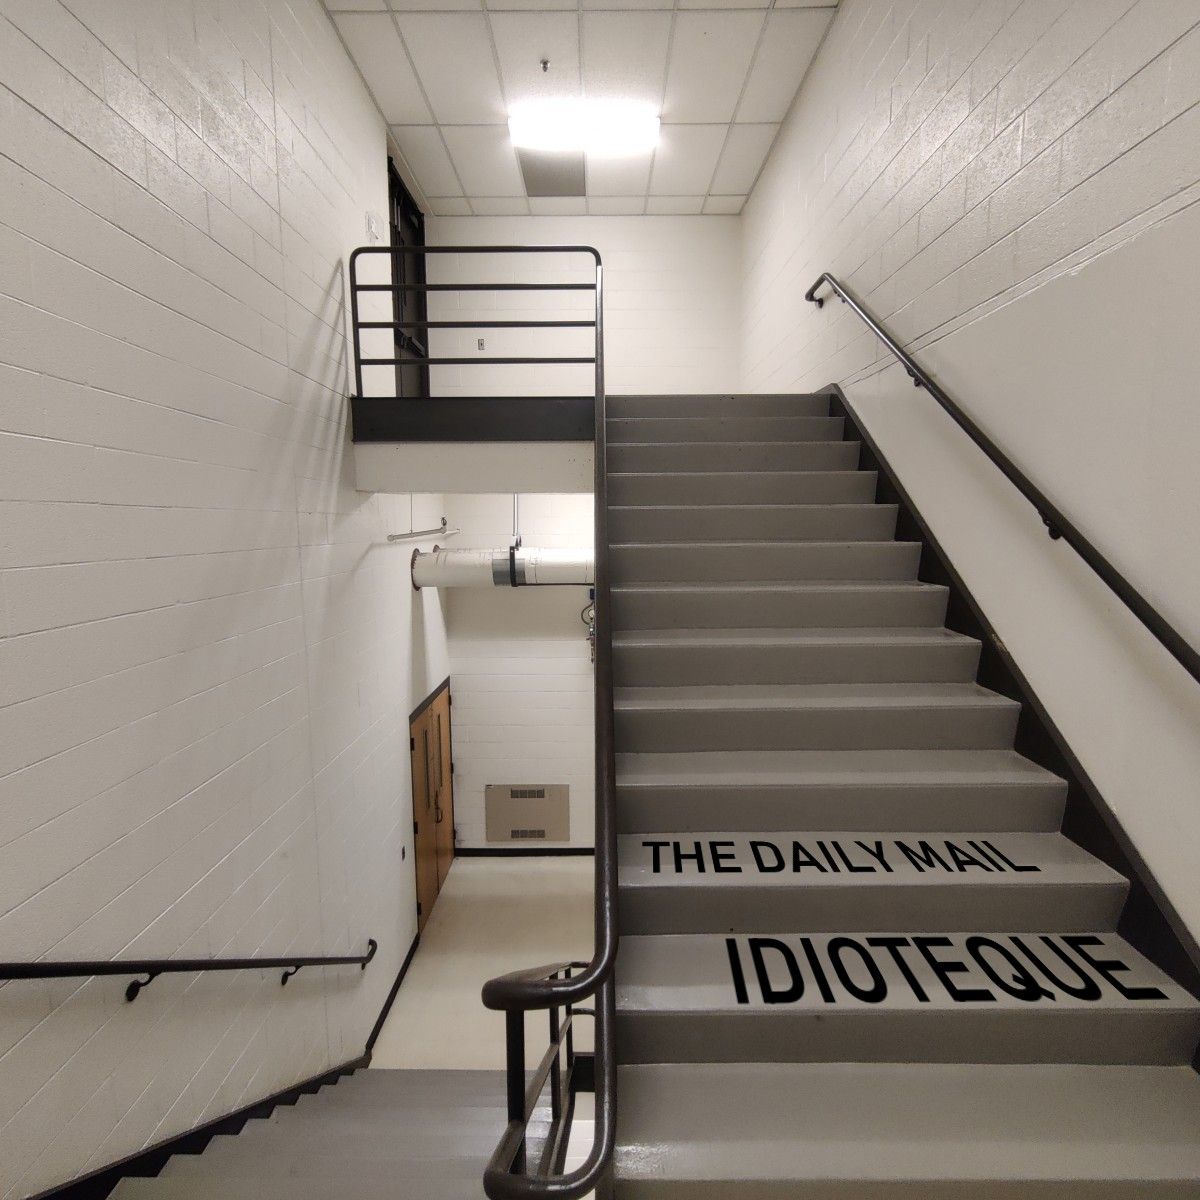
858, 959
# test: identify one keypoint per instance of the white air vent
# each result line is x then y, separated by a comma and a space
526, 812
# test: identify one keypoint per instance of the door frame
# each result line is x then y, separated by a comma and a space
419, 798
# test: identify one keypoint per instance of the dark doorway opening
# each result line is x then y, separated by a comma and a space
407, 225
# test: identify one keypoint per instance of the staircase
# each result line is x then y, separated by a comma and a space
858, 959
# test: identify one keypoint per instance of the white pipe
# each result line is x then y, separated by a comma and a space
502, 568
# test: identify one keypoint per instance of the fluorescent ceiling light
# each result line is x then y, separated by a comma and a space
601, 128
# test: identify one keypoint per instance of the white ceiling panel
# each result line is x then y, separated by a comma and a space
500, 206
449, 206
436, 5
710, 55
742, 158
619, 176
375, 45
616, 206
791, 40
722, 73
724, 205
685, 159
526, 5
625, 54
455, 60
523, 39
558, 206
674, 205
485, 160
425, 153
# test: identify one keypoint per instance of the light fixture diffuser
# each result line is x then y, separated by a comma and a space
600, 128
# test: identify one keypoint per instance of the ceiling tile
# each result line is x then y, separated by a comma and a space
629, 4
436, 5
686, 159
449, 206
540, 5
616, 206
619, 176
523, 39
674, 205
724, 3
453, 56
710, 56
724, 205
376, 47
625, 54
742, 158
829, 4
557, 206
791, 41
426, 156
500, 206
485, 160
359, 5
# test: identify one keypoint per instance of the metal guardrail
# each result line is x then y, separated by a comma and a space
152, 968
1058, 525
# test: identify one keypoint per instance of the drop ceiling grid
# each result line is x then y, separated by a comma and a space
723, 73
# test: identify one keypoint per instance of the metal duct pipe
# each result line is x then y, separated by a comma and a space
514, 567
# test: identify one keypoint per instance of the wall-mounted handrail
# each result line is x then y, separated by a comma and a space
152, 968
1058, 525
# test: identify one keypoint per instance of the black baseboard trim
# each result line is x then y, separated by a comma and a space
1149, 921
387, 1004
147, 1163
521, 851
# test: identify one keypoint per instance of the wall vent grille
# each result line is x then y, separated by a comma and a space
527, 812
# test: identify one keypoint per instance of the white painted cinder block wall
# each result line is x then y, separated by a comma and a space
207, 658
521, 667
1011, 187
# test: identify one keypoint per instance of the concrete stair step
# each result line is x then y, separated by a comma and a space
757, 522
736, 656
849, 716
979, 791
762, 562
828, 455
954, 997
828, 603
899, 1131
728, 427
738, 487
719, 404
842, 882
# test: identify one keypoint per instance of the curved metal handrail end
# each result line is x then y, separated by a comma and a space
537, 987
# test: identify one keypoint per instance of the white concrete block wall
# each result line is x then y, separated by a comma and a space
1011, 186
521, 671
671, 304
207, 653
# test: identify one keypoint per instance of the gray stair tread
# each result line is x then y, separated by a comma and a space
700, 697
859, 636
1057, 861
788, 585
690, 973
845, 768
799, 544
834, 1128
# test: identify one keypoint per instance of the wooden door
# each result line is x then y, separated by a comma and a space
433, 799
442, 768
424, 821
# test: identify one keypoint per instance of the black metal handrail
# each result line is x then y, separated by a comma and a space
424, 360
152, 968
555, 986
1058, 525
